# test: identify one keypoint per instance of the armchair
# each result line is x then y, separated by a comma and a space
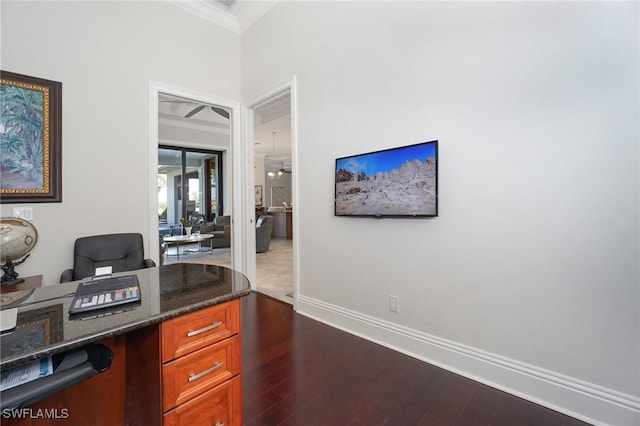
123, 252
221, 230
264, 228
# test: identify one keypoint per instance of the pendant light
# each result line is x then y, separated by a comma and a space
272, 173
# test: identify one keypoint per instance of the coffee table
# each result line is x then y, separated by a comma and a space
187, 239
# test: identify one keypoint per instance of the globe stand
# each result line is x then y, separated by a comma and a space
9, 275
12, 282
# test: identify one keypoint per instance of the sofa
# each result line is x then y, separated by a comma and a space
220, 228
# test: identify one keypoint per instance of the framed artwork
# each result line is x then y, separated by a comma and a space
277, 195
259, 196
30, 139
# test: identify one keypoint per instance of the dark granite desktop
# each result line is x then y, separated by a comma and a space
44, 326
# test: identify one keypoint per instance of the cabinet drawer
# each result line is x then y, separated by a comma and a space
190, 332
200, 371
218, 406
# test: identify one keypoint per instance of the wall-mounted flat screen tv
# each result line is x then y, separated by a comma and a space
395, 182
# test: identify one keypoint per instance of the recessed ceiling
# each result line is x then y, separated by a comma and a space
181, 119
226, 3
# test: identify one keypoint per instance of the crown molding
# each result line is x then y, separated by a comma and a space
249, 12
209, 12
241, 17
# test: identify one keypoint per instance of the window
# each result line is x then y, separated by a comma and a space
189, 184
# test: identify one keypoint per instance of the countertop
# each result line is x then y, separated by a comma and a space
44, 326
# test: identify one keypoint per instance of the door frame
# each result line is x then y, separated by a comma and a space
235, 159
287, 84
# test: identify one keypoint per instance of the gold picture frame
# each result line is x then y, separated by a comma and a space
259, 200
30, 139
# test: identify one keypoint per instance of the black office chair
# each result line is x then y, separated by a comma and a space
123, 252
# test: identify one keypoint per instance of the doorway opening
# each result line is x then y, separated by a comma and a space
191, 138
275, 195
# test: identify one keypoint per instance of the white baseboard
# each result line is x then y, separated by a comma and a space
579, 399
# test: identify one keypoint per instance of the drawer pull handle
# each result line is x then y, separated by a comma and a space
193, 377
219, 424
192, 333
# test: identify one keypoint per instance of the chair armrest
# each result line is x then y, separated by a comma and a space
66, 276
149, 263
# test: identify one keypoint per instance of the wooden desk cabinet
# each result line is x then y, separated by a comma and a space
282, 224
183, 371
176, 355
201, 359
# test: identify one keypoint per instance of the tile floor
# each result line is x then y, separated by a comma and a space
274, 269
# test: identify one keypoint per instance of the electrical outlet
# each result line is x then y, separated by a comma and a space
23, 212
394, 304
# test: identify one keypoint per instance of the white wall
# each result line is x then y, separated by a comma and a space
259, 174
533, 261
105, 54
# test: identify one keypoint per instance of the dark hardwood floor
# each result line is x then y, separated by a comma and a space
297, 371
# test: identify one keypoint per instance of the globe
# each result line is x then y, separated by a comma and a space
17, 239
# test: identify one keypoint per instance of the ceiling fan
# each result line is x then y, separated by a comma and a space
217, 110
283, 170
220, 111
277, 173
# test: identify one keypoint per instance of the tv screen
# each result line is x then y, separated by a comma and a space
396, 182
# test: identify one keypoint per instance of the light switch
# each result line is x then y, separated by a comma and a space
23, 212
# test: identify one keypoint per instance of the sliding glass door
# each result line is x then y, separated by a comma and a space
189, 186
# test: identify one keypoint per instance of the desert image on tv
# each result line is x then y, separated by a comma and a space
399, 182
